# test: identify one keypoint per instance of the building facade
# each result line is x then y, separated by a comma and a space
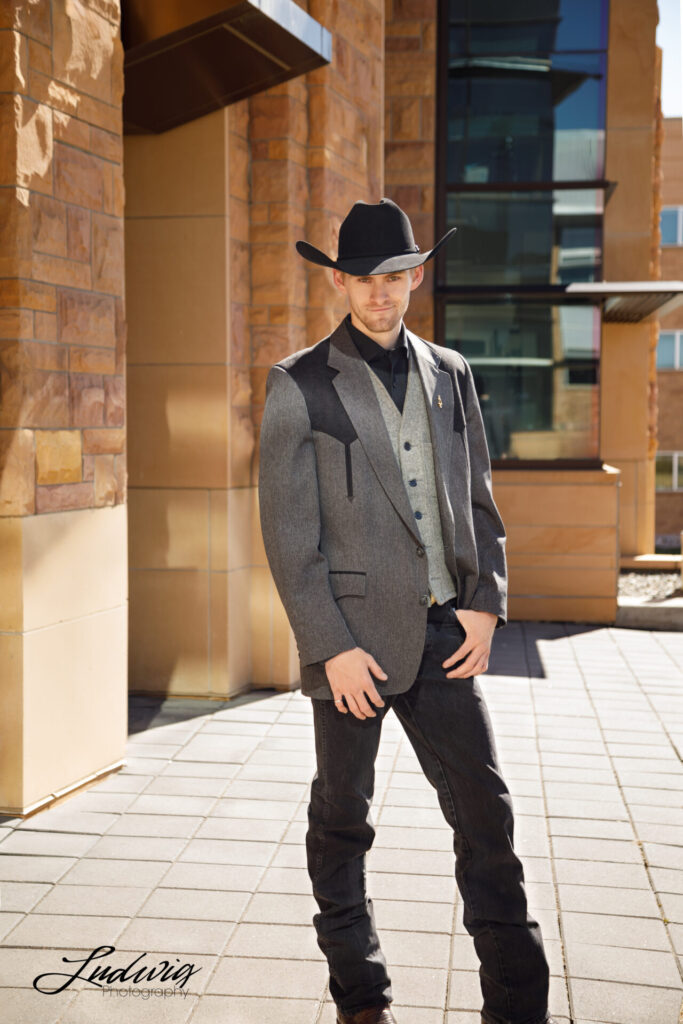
158, 164
669, 463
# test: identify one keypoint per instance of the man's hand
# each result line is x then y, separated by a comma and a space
479, 627
349, 677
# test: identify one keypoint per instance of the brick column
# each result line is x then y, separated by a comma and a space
627, 430
63, 613
410, 115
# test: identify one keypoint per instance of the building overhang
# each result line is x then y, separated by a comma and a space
188, 58
630, 302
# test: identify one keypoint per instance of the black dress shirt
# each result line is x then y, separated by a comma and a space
390, 365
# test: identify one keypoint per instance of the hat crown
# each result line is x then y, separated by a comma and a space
375, 229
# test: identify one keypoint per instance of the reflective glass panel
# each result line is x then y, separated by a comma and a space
536, 374
664, 472
524, 237
666, 351
526, 120
668, 223
527, 26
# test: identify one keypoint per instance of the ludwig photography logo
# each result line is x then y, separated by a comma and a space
118, 981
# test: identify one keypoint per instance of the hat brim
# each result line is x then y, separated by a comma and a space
365, 266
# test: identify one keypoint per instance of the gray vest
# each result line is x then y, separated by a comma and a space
417, 469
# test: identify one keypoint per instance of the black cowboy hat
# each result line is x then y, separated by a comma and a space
374, 238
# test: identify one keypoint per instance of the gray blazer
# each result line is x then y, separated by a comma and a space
338, 529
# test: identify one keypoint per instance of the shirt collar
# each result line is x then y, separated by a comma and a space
369, 348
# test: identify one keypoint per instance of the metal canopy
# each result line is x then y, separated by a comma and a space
188, 58
630, 301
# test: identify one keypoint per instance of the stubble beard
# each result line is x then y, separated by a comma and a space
382, 323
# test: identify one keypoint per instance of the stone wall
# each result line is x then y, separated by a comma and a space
62, 442
63, 597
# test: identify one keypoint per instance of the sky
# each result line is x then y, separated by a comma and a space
669, 38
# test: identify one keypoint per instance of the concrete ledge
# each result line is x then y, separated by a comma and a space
670, 563
641, 613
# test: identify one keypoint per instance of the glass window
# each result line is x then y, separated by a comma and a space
669, 226
520, 120
527, 26
666, 350
664, 472
536, 373
518, 238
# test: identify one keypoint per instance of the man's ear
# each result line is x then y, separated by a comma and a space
418, 274
338, 278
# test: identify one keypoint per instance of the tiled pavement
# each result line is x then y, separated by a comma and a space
195, 853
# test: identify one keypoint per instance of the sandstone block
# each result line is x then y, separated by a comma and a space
405, 119
45, 328
91, 360
86, 400
31, 19
28, 294
108, 255
13, 62
39, 398
78, 233
39, 56
48, 221
121, 476
70, 129
16, 323
114, 400
105, 480
60, 497
58, 456
17, 480
78, 176
60, 271
105, 441
85, 318
83, 49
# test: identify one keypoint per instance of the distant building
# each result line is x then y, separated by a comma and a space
669, 471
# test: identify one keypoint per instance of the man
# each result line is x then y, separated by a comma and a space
388, 552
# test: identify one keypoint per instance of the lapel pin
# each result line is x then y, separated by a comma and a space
439, 402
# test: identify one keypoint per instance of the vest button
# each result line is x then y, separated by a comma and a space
420, 552
407, 445
418, 515
413, 483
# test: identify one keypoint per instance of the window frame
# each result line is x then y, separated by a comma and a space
679, 227
676, 473
444, 294
678, 350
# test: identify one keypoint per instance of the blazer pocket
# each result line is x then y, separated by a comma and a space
348, 584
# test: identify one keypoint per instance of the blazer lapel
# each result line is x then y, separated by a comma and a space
354, 387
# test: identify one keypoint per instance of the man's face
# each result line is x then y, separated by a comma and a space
379, 301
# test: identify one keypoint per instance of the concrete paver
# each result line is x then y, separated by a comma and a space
196, 852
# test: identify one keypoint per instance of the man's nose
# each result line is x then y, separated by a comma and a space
378, 293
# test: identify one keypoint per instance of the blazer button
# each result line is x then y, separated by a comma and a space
420, 552
424, 599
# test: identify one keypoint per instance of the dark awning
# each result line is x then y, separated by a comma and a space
185, 59
630, 301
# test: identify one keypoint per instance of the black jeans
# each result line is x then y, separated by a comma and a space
447, 722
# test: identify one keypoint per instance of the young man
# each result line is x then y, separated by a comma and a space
388, 552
